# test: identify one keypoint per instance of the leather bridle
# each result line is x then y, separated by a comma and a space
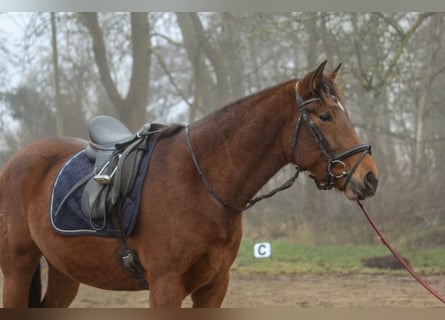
332, 158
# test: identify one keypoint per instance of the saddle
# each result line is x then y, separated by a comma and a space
116, 153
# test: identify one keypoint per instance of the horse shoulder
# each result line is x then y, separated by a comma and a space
199, 240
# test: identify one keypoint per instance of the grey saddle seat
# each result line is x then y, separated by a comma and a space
105, 132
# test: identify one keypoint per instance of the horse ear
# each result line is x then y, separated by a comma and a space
317, 75
334, 74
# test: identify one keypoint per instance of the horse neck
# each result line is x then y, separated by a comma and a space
240, 147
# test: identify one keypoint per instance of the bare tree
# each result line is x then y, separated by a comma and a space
55, 55
216, 61
131, 108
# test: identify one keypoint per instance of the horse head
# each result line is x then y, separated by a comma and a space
325, 142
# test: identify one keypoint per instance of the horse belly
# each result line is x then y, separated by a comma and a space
89, 260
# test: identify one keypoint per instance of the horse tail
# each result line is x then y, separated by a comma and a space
35, 292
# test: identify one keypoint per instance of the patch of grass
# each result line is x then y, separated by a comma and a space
290, 258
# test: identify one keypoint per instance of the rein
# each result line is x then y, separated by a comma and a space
215, 195
399, 257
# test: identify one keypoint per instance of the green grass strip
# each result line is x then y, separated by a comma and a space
291, 258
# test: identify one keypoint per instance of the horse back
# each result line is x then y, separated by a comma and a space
41, 157
32, 170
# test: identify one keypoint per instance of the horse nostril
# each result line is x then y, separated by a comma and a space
371, 181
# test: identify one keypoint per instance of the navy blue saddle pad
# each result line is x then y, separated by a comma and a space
70, 220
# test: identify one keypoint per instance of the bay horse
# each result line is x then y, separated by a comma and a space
189, 226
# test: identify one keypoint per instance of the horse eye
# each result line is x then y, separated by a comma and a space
325, 117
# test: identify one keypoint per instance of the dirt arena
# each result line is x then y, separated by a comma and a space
330, 291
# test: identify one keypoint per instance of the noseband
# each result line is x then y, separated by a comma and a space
332, 158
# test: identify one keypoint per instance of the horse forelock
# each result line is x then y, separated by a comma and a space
329, 93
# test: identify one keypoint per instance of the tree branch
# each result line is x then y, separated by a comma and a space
407, 35
171, 78
90, 20
140, 42
392, 23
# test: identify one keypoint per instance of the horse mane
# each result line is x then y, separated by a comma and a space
171, 130
324, 90
251, 100
262, 93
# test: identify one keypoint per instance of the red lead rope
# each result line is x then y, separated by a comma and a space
399, 257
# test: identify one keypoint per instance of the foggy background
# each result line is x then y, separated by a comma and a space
58, 70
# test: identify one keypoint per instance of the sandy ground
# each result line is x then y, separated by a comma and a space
302, 291
325, 291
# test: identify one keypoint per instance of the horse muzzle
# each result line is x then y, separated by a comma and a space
361, 188
361, 180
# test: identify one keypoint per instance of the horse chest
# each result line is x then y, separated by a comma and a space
209, 267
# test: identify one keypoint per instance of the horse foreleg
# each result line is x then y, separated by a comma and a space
212, 295
61, 289
166, 292
16, 290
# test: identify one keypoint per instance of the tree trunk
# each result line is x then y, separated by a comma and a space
55, 54
192, 34
217, 67
422, 101
133, 112
132, 108
230, 52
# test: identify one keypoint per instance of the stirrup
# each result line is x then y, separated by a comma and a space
103, 178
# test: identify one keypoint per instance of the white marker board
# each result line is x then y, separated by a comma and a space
262, 250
